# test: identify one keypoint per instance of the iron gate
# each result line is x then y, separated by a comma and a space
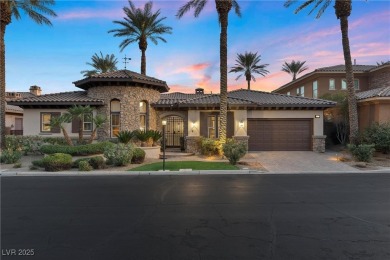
174, 130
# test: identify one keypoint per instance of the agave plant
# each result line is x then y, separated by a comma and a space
126, 136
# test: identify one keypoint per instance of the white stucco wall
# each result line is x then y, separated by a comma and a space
318, 123
10, 120
32, 121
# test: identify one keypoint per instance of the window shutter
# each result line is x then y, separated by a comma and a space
75, 125
230, 125
55, 129
203, 124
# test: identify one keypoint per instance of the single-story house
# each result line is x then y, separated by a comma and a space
264, 121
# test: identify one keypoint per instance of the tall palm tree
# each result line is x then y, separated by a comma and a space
78, 113
294, 68
223, 8
141, 25
101, 64
343, 11
247, 64
98, 121
59, 121
9, 9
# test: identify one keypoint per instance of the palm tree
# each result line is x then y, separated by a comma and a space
36, 10
294, 68
141, 25
247, 64
101, 64
343, 11
380, 63
78, 113
223, 8
98, 121
59, 121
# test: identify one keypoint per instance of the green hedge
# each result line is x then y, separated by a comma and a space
57, 162
87, 149
138, 156
96, 162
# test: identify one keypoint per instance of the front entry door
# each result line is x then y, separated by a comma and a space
174, 130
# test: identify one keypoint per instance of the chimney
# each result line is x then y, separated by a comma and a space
37, 91
354, 61
199, 91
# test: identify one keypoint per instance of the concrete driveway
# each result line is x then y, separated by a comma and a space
299, 161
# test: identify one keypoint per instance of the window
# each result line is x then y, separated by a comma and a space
301, 91
46, 118
356, 84
332, 85
288, 93
315, 89
87, 122
143, 115
115, 117
213, 122
343, 84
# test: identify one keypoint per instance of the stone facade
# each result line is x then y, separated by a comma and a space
380, 78
192, 144
129, 98
319, 143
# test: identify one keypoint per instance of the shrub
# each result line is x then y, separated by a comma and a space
210, 147
38, 163
87, 149
156, 136
33, 167
378, 134
97, 162
234, 151
144, 137
57, 162
138, 156
362, 152
125, 136
25, 144
85, 166
119, 155
18, 165
77, 162
9, 156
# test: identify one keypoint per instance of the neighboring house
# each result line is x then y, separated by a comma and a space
14, 114
264, 121
373, 105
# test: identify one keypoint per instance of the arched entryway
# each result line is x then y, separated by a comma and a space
174, 130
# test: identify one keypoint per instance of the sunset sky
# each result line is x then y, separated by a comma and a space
52, 57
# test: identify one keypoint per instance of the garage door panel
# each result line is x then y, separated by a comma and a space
280, 134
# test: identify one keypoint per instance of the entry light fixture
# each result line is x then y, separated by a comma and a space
241, 124
193, 126
164, 122
317, 116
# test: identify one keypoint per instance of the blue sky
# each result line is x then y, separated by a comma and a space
52, 57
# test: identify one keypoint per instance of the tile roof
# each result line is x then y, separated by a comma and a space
62, 98
13, 109
121, 76
241, 97
341, 68
376, 92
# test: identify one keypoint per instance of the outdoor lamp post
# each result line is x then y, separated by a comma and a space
164, 123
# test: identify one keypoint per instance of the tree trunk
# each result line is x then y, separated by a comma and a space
93, 134
223, 8
352, 103
5, 19
248, 79
143, 45
66, 136
80, 131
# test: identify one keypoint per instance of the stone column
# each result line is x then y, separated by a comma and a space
192, 144
319, 143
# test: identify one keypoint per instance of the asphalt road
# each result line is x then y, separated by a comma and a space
344, 216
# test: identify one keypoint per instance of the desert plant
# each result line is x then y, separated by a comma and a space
38, 163
234, 151
378, 134
98, 121
85, 166
9, 156
125, 136
97, 162
138, 156
144, 136
17, 165
210, 147
155, 136
362, 152
57, 162
86, 149
119, 155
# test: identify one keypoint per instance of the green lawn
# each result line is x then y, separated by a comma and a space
194, 165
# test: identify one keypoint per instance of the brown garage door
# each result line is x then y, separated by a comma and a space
280, 134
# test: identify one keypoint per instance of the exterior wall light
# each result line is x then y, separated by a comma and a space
317, 116
164, 122
241, 124
193, 126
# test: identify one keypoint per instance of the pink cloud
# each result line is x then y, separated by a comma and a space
91, 14
193, 68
